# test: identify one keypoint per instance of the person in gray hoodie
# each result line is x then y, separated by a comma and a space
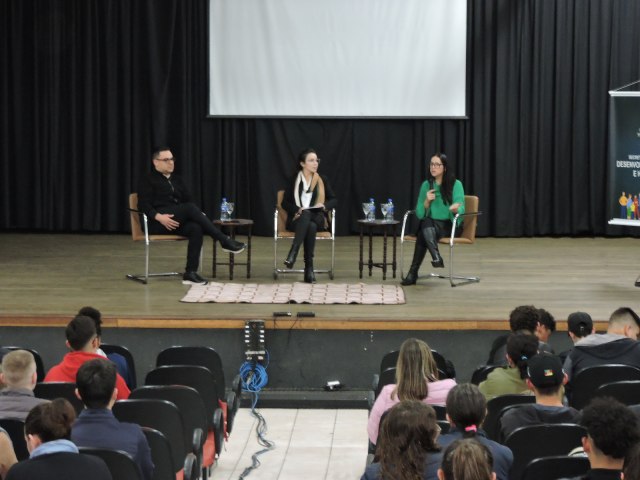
619, 345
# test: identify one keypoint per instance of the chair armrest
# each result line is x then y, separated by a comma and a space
405, 218
375, 382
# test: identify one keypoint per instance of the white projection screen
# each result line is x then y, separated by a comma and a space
337, 58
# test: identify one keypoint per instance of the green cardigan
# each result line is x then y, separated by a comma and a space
438, 210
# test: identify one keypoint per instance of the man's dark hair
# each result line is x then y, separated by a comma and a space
95, 315
520, 348
624, 313
612, 426
546, 319
525, 318
155, 151
80, 331
96, 380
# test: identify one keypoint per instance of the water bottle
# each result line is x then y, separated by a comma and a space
224, 211
389, 216
372, 210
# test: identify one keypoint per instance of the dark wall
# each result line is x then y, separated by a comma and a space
299, 359
87, 86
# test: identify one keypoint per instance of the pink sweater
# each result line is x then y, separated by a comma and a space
438, 391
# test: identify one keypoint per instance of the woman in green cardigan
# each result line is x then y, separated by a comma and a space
441, 197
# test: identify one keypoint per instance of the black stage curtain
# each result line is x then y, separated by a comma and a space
88, 86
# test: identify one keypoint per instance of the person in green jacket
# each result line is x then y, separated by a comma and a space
441, 197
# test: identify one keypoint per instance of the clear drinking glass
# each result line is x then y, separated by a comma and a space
383, 208
365, 209
230, 207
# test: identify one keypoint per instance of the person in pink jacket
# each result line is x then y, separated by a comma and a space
417, 379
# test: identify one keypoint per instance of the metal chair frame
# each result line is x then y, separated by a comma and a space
468, 237
140, 233
281, 233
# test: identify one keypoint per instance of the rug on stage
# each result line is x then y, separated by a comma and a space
317, 293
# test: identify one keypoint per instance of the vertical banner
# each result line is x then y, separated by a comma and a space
624, 159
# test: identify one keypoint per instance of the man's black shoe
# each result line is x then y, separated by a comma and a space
231, 246
192, 278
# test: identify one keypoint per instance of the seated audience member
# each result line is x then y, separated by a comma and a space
83, 342
7, 453
53, 455
466, 411
618, 345
545, 329
408, 446
579, 325
523, 319
96, 426
19, 376
417, 379
501, 381
545, 378
119, 360
466, 459
612, 432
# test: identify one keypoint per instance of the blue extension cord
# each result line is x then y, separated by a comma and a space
254, 377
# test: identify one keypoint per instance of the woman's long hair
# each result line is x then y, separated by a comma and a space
520, 348
448, 178
467, 459
51, 421
467, 408
407, 435
302, 156
414, 369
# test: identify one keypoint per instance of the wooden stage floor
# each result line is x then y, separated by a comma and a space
45, 278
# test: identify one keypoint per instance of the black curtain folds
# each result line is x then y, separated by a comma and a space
87, 87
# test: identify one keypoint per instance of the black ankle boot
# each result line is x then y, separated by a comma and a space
309, 276
432, 245
291, 257
418, 255
411, 278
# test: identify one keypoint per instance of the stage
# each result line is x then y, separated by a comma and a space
46, 278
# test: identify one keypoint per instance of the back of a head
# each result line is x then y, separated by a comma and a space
51, 420
467, 459
520, 348
80, 331
545, 318
18, 368
580, 324
546, 374
524, 317
612, 426
623, 316
96, 381
407, 434
95, 315
467, 407
415, 367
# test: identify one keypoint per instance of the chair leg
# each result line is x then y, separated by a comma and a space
451, 277
144, 278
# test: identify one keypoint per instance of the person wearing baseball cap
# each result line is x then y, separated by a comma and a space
546, 378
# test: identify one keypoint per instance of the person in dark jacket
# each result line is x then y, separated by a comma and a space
619, 345
167, 202
307, 199
546, 379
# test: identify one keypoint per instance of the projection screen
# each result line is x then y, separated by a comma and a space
337, 58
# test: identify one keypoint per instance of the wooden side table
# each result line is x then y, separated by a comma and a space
231, 227
386, 227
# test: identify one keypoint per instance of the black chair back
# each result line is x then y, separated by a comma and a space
386, 377
584, 384
123, 351
491, 424
537, 441
627, 391
552, 468
203, 356
40, 371
446, 369
119, 463
15, 429
389, 360
161, 455
66, 390
480, 374
159, 415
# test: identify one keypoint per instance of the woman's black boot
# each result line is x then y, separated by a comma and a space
432, 244
309, 276
418, 255
291, 257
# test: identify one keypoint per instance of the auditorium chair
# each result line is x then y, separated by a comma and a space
552, 468
480, 374
140, 233
119, 463
161, 455
491, 424
584, 384
467, 237
446, 369
626, 391
40, 374
280, 233
15, 430
52, 390
123, 351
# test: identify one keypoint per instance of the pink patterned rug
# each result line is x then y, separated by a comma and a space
317, 293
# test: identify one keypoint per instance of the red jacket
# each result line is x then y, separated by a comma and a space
66, 371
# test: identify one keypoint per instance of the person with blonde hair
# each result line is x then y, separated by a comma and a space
408, 447
416, 379
466, 459
19, 376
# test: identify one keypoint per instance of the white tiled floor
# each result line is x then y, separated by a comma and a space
310, 444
